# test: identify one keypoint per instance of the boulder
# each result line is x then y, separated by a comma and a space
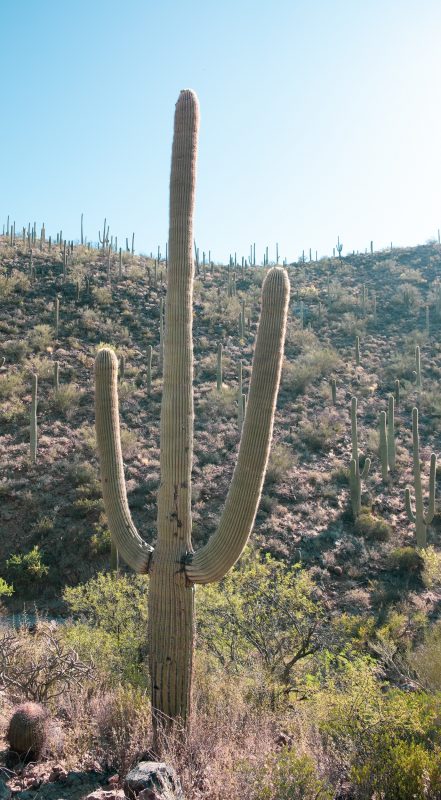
153, 780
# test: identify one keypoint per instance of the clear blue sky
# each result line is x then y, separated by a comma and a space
318, 118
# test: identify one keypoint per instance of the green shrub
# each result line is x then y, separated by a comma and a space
308, 367
5, 589
406, 560
110, 624
40, 338
11, 384
67, 399
432, 568
372, 527
288, 776
264, 613
26, 570
400, 770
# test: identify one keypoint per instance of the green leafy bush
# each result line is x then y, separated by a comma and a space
288, 776
263, 612
26, 570
110, 624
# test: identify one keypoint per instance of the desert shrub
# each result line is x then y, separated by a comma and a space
11, 384
431, 567
15, 349
26, 570
123, 726
321, 433
40, 337
67, 399
222, 403
425, 659
404, 770
406, 560
264, 611
287, 775
279, 463
36, 665
5, 589
102, 295
308, 367
110, 624
372, 527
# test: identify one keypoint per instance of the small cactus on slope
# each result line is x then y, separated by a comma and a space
173, 567
28, 730
418, 516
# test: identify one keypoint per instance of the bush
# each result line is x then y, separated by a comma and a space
288, 776
406, 560
110, 624
308, 367
5, 589
432, 568
11, 384
26, 570
67, 399
40, 338
372, 527
263, 613
400, 770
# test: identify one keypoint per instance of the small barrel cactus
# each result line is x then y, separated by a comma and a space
28, 730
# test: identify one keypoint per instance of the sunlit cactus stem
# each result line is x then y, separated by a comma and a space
384, 447
418, 516
334, 391
33, 419
418, 381
149, 368
173, 567
219, 368
56, 376
357, 351
391, 450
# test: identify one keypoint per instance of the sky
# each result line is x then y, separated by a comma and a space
319, 118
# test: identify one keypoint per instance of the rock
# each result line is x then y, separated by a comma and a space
335, 569
101, 794
5, 792
153, 780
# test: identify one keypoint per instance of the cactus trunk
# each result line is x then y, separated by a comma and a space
171, 597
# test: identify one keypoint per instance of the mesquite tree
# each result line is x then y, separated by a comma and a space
174, 568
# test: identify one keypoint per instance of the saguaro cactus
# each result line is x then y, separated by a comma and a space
418, 516
173, 567
355, 476
33, 419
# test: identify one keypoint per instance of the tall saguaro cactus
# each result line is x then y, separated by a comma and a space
173, 567
418, 516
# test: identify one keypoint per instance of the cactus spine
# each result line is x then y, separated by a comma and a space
34, 430
173, 567
355, 476
418, 516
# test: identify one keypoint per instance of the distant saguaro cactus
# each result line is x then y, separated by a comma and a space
355, 476
28, 730
418, 516
173, 566
33, 419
